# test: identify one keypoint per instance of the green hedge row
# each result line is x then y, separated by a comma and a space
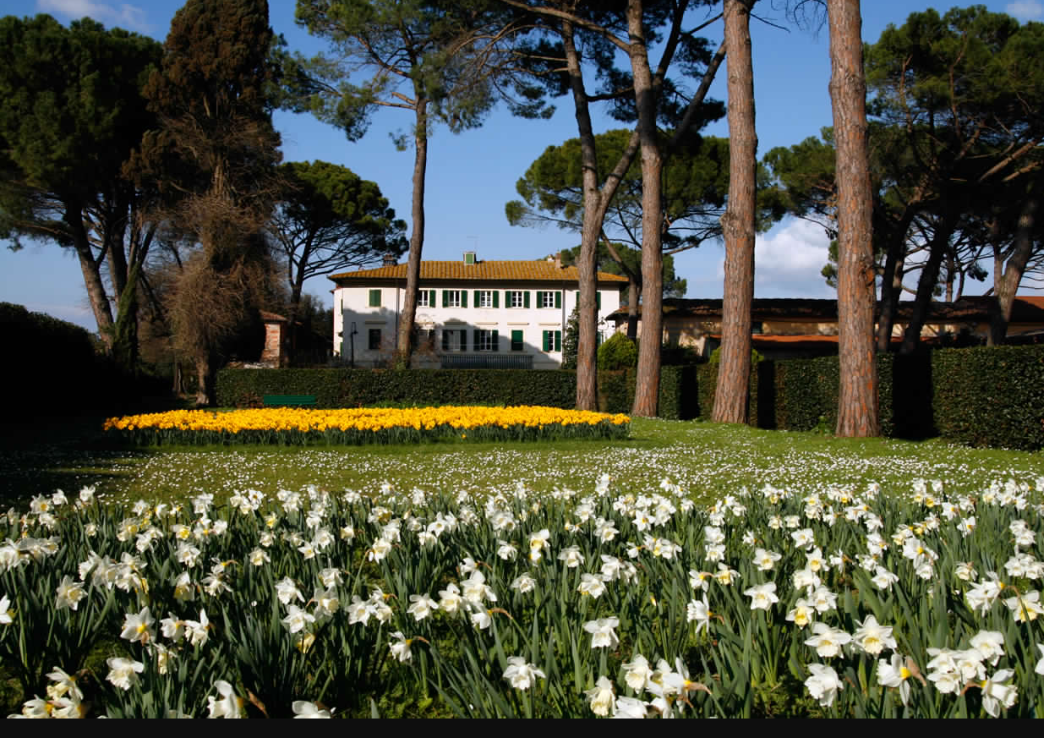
982, 396
978, 396
422, 387
990, 396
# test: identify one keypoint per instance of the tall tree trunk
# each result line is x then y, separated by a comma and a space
929, 278
647, 382
857, 412
1008, 284
594, 214
91, 269
404, 344
730, 398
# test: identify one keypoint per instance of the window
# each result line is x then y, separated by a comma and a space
517, 299
517, 340
486, 340
552, 341
375, 298
486, 299
454, 298
454, 340
549, 299
426, 299
375, 339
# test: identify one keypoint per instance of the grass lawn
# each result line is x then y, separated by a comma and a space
708, 460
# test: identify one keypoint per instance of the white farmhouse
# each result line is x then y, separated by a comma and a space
470, 314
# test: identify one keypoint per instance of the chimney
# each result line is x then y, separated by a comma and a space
558, 259
390, 260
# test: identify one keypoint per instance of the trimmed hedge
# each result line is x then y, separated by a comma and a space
422, 387
990, 396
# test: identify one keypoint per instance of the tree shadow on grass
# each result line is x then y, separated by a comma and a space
48, 454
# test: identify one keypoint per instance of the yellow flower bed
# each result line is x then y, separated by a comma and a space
295, 425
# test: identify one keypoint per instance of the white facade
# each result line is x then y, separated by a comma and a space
465, 311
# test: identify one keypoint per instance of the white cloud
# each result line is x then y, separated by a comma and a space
125, 16
1025, 9
787, 263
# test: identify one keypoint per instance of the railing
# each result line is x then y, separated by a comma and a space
486, 361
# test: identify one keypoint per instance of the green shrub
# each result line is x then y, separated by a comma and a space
619, 352
755, 357
990, 396
414, 387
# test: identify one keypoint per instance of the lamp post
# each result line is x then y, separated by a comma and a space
351, 343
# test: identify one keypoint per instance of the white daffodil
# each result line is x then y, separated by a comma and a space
524, 583
1025, 608
198, 631
766, 560
400, 647
827, 641
520, 674
699, 613
602, 632
69, 594
996, 694
309, 711
591, 584
229, 705
286, 590
630, 708
872, 638
637, 673
123, 672
601, 697
297, 619
895, 674
804, 612
421, 606
138, 627
1038, 669
823, 684
762, 596
990, 644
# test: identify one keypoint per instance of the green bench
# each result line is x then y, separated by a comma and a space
284, 400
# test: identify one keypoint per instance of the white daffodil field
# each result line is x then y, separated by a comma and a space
900, 599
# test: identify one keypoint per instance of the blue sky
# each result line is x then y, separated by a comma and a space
472, 175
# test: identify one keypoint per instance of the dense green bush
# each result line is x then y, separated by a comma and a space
619, 352
50, 365
616, 391
420, 387
990, 396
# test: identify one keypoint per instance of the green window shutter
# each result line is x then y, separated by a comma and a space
463, 298
558, 299
547, 340
578, 298
445, 298
525, 299
375, 298
496, 340
463, 340
478, 302
496, 298
558, 340
475, 339
540, 299
431, 298
507, 298
598, 300
516, 340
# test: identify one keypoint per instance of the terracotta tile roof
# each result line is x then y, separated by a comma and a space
1027, 309
483, 271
